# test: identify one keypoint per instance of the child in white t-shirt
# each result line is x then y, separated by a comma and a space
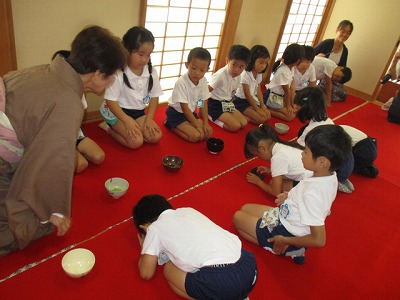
191, 93
223, 86
201, 260
135, 88
328, 71
286, 166
299, 220
278, 95
304, 72
248, 97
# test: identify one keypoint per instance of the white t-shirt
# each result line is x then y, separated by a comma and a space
254, 83
355, 134
191, 240
282, 76
224, 85
323, 66
133, 98
186, 92
302, 80
308, 204
286, 161
335, 57
311, 125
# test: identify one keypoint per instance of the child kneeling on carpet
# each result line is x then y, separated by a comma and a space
201, 260
191, 93
299, 221
312, 108
223, 86
286, 166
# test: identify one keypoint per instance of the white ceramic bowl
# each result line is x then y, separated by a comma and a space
281, 128
78, 262
116, 187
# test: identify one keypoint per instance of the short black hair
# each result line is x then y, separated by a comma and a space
148, 209
345, 23
312, 104
309, 53
199, 53
239, 52
346, 75
330, 141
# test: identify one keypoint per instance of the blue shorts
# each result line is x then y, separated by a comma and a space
234, 281
215, 108
263, 235
175, 118
241, 104
133, 113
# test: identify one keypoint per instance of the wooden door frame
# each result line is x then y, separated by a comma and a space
7, 41
379, 86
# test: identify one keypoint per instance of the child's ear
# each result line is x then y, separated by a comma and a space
144, 227
323, 162
187, 65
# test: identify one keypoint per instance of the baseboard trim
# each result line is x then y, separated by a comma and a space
359, 94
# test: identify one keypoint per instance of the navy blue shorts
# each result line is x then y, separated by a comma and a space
234, 281
241, 104
175, 118
214, 108
133, 113
263, 235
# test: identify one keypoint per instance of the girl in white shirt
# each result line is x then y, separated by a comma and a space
278, 96
286, 166
248, 98
135, 88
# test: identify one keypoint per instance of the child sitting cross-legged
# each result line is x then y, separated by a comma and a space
201, 260
299, 220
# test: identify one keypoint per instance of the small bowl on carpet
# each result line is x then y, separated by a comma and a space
215, 145
78, 262
116, 187
172, 163
281, 128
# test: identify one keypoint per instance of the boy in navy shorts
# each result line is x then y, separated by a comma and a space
299, 220
201, 260
190, 94
223, 86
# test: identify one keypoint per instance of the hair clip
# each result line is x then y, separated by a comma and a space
261, 126
305, 99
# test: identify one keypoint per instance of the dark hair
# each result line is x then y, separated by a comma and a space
308, 53
263, 132
257, 51
96, 49
148, 209
133, 39
63, 53
330, 141
293, 53
345, 23
312, 104
199, 53
239, 52
346, 75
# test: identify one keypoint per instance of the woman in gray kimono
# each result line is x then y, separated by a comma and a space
43, 109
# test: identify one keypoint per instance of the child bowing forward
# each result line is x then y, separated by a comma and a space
201, 260
191, 92
299, 220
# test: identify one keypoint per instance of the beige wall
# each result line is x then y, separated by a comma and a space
45, 26
376, 31
42, 27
